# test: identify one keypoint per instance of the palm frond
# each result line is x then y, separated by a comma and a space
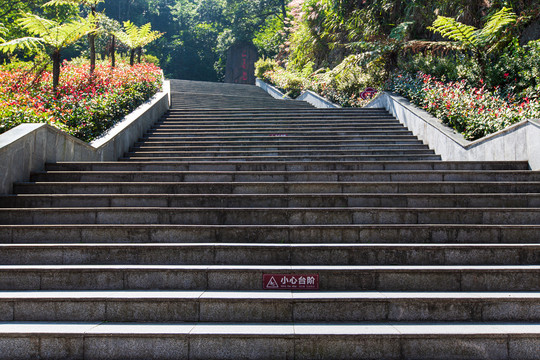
25, 43
454, 30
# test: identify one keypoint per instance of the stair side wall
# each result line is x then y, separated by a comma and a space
519, 142
26, 148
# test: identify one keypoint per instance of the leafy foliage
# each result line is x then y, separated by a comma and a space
473, 111
135, 37
84, 106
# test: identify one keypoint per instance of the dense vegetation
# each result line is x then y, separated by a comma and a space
473, 64
83, 97
423, 49
84, 106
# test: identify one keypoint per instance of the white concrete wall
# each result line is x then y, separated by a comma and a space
317, 100
518, 142
26, 148
308, 96
272, 91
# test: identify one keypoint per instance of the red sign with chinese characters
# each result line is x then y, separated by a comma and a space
290, 281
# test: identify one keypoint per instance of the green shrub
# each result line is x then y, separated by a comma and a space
263, 66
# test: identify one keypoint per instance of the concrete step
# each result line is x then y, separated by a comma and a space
224, 133
272, 144
269, 216
273, 137
254, 341
269, 254
400, 150
285, 119
275, 187
222, 103
345, 176
299, 111
229, 127
271, 200
396, 157
164, 146
269, 306
507, 278
283, 166
280, 234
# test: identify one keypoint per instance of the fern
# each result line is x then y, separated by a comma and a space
73, 2
400, 32
135, 37
54, 34
491, 31
25, 43
454, 30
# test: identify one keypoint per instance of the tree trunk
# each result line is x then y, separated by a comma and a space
132, 57
92, 41
283, 10
113, 51
56, 58
139, 54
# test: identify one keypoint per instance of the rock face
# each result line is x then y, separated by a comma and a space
240, 68
531, 32
164, 253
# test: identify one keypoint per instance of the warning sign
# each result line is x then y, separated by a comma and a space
290, 281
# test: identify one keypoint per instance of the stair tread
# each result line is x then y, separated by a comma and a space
280, 329
263, 295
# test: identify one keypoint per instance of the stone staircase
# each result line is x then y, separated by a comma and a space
161, 255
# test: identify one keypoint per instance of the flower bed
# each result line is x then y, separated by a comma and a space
474, 112
84, 106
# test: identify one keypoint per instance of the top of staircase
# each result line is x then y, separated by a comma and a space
187, 94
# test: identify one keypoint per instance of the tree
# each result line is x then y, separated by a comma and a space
50, 35
136, 38
92, 4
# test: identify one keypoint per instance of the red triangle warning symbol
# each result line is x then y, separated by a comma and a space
272, 283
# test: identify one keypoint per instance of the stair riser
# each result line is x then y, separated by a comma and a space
220, 121
280, 144
224, 134
264, 311
292, 158
272, 188
280, 166
236, 105
226, 127
215, 254
273, 201
199, 278
270, 149
291, 176
438, 234
270, 153
386, 345
275, 216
